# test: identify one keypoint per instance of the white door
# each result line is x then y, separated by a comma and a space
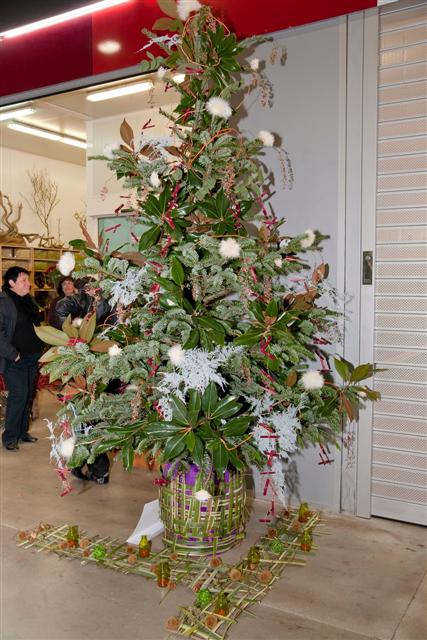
399, 455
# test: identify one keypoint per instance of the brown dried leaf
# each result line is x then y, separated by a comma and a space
126, 133
164, 24
291, 378
168, 7
131, 256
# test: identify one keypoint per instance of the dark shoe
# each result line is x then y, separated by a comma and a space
102, 480
12, 446
78, 473
28, 438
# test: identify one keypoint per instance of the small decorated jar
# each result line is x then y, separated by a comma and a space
306, 541
203, 598
144, 547
277, 546
222, 605
303, 512
163, 573
254, 557
73, 536
99, 552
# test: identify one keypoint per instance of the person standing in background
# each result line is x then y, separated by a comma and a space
20, 349
65, 288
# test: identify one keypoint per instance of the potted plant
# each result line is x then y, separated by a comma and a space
215, 345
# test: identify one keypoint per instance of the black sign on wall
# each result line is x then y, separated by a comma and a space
15, 13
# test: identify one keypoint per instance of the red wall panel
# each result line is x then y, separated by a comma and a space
69, 51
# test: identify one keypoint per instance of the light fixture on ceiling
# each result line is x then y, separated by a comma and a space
16, 113
108, 47
61, 17
117, 92
48, 135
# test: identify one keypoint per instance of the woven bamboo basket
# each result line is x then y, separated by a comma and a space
203, 528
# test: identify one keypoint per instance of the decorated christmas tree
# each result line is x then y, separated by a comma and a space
218, 331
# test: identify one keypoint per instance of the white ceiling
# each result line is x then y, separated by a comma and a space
68, 113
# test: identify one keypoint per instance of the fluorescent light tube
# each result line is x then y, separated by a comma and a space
74, 142
116, 92
40, 133
48, 135
16, 113
61, 17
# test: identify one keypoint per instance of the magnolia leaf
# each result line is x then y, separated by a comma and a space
179, 411
361, 372
342, 367
164, 24
210, 398
87, 327
128, 455
69, 329
169, 8
132, 256
174, 446
53, 336
220, 458
101, 346
50, 355
80, 381
126, 133
291, 378
177, 272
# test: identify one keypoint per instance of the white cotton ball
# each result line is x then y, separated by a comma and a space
176, 354
77, 322
312, 380
229, 248
218, 107
155, 180
66, 263
310, 237
114, 350
109, 149
185, 7
161, 72
202, 495
254, 64
66, 447
278, 262
266, 138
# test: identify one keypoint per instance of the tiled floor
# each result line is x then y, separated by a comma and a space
366, 581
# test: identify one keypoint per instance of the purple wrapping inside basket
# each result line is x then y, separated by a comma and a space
191, 474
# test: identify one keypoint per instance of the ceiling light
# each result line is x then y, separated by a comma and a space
108, 47
16, 113
178, 78
61, 17
49, 135
116, 92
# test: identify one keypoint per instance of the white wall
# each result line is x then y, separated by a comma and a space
104, 192
70, 178
309, 116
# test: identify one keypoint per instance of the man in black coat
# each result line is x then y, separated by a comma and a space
20, 350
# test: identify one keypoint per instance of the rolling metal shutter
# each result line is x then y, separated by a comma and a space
399, 462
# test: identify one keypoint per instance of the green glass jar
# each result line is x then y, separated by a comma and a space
303, 512
203, 598
306, 541
73, 536
144, 547
163, 573
254, 557
222, 605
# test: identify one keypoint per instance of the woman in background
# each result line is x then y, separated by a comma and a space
65, 288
